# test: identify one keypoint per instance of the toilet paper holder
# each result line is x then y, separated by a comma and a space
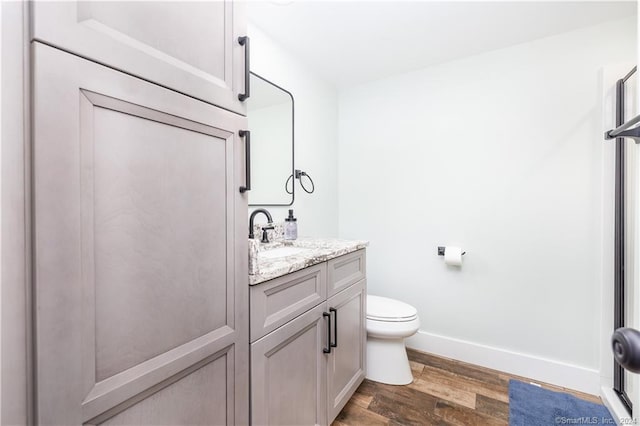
441, 251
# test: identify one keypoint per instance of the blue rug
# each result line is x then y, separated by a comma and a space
531, 405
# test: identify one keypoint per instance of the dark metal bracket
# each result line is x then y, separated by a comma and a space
441, 251
630, 133
624, 129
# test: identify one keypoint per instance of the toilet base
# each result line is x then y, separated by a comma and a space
387, 361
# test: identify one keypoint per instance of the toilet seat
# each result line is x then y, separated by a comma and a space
389, 310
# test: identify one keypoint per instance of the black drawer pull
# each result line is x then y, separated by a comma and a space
246, 134
334, 344
327, 350
244, 41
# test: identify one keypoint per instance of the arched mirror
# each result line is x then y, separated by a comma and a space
270, 114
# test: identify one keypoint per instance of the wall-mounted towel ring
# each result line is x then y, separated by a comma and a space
298, 175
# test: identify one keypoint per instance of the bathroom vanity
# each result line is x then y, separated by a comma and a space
307, 330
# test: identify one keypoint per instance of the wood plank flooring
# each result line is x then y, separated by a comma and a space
443, 392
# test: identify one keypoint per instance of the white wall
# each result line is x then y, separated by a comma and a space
499, 153
316, 134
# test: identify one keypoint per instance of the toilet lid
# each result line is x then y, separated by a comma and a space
385, 309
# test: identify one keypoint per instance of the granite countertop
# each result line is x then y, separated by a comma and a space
318, 250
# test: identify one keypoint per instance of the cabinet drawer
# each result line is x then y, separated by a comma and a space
278, 301
345, 270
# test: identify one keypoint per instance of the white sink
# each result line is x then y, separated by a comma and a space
281, 252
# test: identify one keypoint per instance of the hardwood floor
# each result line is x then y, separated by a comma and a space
443, 392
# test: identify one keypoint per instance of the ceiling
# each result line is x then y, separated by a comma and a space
349, 42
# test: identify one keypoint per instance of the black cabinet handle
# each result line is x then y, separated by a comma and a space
327, 350
246, 134
335, 327
625, 343
244, 41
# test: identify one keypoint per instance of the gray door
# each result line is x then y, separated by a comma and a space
140, 251
288, 384
189, 46
346, 363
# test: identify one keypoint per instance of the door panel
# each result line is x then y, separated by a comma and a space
147, 196
140, 295
346, 363
190, 46
288, 367
186, 395
144, 26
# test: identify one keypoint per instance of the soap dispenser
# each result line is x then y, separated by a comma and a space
290, 227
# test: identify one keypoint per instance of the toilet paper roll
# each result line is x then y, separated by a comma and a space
453, 256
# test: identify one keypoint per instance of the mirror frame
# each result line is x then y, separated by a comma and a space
293, 145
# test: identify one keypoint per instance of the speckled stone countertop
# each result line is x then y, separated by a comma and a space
320, 250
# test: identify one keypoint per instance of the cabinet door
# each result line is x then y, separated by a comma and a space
191, 47
346, 363
140, 251
288, 384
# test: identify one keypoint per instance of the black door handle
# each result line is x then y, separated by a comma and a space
327, 350
246, 134
625, 343
244, 41
335, 327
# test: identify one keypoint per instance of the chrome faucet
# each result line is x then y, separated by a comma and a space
252, 217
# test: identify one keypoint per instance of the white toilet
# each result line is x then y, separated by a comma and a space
389, 322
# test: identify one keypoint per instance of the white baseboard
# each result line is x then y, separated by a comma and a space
533, 367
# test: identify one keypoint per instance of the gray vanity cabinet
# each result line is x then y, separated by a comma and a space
295, 378
191, 47
140, 265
